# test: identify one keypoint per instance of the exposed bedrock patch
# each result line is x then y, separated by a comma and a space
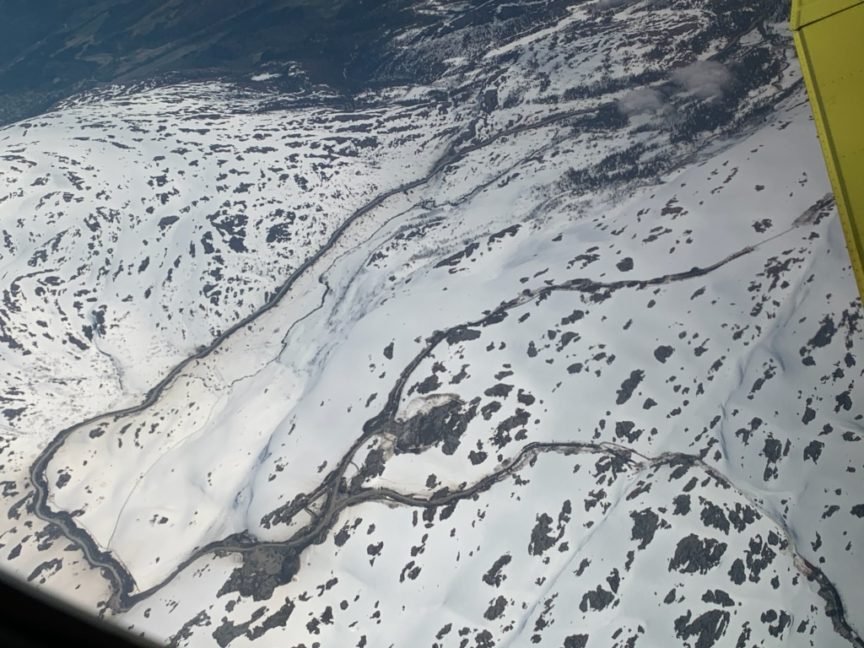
264, 568
439, 425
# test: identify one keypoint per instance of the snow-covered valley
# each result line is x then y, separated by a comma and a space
557, 347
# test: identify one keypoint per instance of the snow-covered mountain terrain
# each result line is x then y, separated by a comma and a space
556, 344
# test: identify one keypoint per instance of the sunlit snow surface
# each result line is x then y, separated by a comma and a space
561, 349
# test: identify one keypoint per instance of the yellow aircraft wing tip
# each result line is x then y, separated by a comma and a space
806, 12
830, 46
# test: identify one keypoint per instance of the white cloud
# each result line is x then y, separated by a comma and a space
641, 100
705, 79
